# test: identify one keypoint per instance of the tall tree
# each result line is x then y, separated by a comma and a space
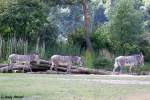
24, 18
86, 25
125, 22
86, 16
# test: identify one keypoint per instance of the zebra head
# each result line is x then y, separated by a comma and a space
140, 59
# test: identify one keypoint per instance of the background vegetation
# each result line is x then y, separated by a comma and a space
47, 27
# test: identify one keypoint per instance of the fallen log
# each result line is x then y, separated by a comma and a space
74, 69
61, 70
4, 69
41, 61
45, 65
81, 70
47, 72
90, 71
3, 65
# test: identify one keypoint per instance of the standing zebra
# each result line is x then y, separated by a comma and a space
22, 59
68, 61
128, 61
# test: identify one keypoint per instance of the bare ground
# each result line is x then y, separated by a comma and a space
135, 96
112, 79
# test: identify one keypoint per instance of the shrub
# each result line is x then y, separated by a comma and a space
146, 50
88, 59
102, 63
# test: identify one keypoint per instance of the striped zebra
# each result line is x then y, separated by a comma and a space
128, 61
59, 60
22, 59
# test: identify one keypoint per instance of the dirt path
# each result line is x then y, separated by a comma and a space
125, 82
135, 96
114, 79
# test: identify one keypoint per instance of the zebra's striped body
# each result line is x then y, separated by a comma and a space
59, 60
22, 59
128, 61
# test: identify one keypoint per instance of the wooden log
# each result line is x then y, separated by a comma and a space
90, 71
47, 72
81, 70
74, 70
45, 65
78, 70
41, 61
4, 69
3, 65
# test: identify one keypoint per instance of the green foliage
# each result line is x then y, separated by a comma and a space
147, 19
88, 59
48, 34
125, 22
102, 63
77, 38
64, 49
146, 51
27, 20
12, 45
101, 38
146, 67
6, 3
24, 18
19, 46
142, 70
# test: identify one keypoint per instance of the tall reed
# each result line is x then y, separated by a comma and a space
20, 46
12, 45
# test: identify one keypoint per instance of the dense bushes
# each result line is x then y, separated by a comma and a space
102, 63
88, 59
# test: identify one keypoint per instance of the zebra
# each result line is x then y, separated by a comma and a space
128, 61
57, 60
22, 59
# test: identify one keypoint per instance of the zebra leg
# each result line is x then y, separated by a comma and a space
69, 69
52, 66
30, 68
23, 68
130, 70
120, 69
11, 67
56, 69
114, 69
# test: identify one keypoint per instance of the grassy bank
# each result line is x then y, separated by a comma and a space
56, 87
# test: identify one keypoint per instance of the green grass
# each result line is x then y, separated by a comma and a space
146, 67
55, 87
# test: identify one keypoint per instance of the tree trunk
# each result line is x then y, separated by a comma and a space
37, 44
86, 26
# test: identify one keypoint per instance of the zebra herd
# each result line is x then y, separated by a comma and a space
56, 60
